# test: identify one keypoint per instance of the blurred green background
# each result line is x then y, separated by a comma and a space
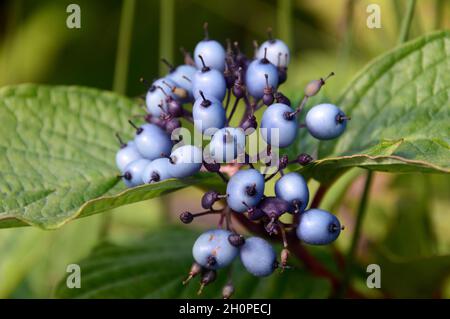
408, 215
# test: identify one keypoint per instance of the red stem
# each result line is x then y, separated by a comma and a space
321, 191
310, 262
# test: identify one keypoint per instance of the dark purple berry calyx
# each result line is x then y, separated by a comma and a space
204, 68
172, 124
121, 142
228, 75
127, 176
236, 240
283, 163
304, 159
155, 177
209, 198
139, 130
251, 190
334, 228
238, 87
341, 118
174, 108
205, 102
264, 60
186, 217
281, 98
274, 207
250, 122
212, 167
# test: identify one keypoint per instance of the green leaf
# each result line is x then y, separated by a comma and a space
410, 231
27, 256
410, 246
155, 267
421, 277
57, 155
400, 110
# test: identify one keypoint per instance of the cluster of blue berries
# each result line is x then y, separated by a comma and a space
149, 158
216, 79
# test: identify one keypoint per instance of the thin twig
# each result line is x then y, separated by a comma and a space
356, 235
310, 262
236, 102
406, 22
228, 99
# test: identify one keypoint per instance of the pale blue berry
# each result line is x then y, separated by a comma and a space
227, 144
127, 154
212, 249
292, 188
245, 189
133, 172
258, 257
318, 227
208, 114
152, 142
255, 77
157, 171
278, 128
325, 121
277, 52
185, 161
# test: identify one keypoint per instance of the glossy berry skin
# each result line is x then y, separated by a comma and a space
284, 130
127, 154
227, 144
208, 117
154, 96
292, 187
152, 141
212, 249
318, 227
213, 54
211, 83
158, 170
274, 48
323, 121
246, 186
178, 77
258, 257
185, 161
133, 172
255, 79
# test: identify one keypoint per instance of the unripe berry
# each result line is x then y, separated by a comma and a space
208, 277
304, 159
194, 271
228, 291
186, 217
209, 198
250, 122
313, 87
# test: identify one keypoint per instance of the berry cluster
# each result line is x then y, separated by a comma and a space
216, 79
